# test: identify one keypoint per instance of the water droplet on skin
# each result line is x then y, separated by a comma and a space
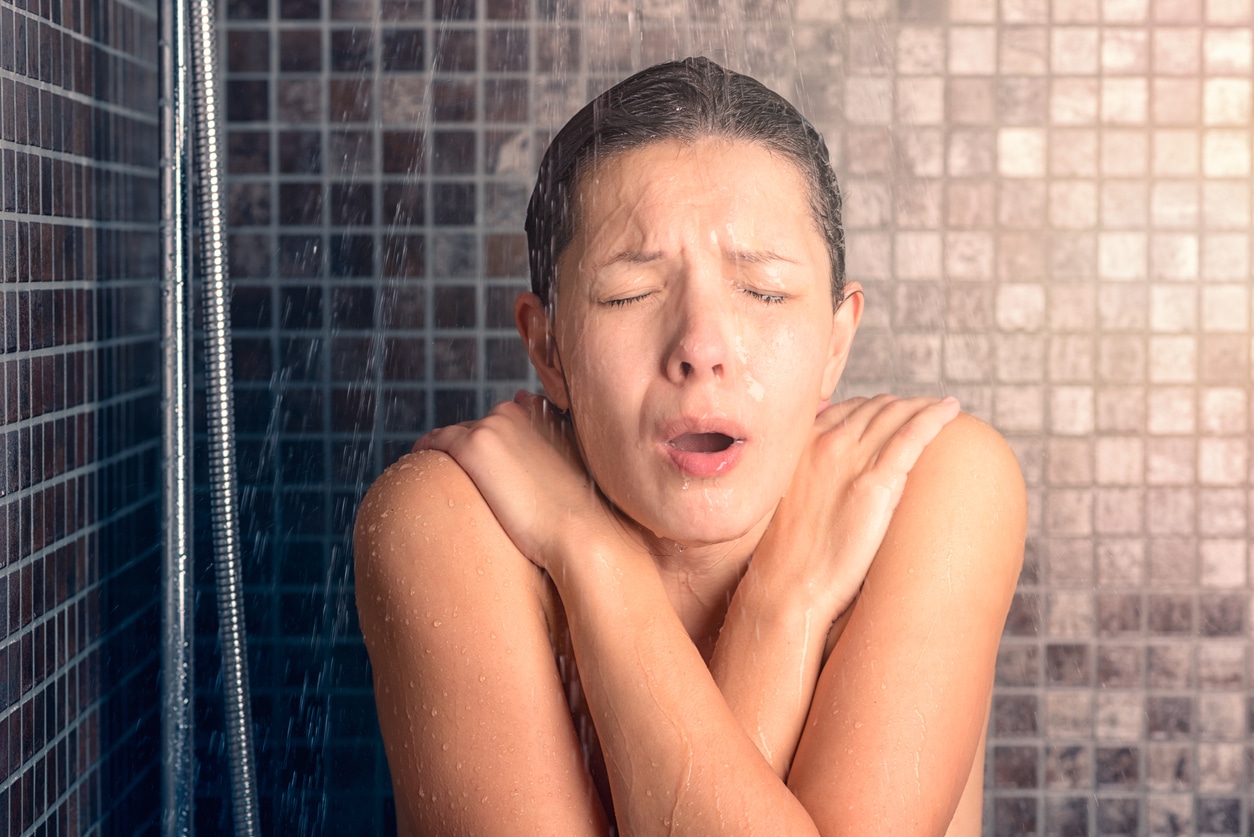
444, 746
451, 504
755, 389
437, 623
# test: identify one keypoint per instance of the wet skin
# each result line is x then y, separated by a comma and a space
695, 299
695, 344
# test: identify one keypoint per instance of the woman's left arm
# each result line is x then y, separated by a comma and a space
900, 707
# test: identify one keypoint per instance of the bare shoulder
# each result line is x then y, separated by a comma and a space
419, 488
426, 549
456, 626
969, 453
965, 493
425, 515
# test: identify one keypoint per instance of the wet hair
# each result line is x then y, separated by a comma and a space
679, 100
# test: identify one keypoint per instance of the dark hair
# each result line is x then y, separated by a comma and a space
685, 100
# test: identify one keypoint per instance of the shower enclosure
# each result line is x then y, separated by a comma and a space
1048, 201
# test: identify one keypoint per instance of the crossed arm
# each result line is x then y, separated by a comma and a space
884, 733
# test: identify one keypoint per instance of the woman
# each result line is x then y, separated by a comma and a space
680, 593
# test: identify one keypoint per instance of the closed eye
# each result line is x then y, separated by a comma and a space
769, 299
625, 301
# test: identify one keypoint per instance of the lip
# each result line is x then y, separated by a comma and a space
703, 464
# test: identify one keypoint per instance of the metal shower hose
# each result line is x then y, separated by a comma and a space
176, 730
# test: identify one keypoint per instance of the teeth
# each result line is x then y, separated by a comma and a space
703, 442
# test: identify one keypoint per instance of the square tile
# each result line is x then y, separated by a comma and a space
1177, 102
1227, 50
1169, 666
1120, 667
1069, 714
972, 50
1125, 101
1169, 614
1172, 565
1119, 716
1068, 767
1170, 815
1014, 715
1221, 717
1223, 410
1074, 50
1177, 153
1117, 767
1169, 767
1015, 767
1070, 614
1119, 816
1073, 101
1067, 816
1176, 50
920, 50
1073, 152
1121, 561
1124, 50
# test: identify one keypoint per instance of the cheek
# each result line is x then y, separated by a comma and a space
604, 399
787, 365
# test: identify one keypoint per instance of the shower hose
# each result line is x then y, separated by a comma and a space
221, 417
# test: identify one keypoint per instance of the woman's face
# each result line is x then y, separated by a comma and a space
695, 333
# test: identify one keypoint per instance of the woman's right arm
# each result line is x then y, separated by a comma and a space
471, 705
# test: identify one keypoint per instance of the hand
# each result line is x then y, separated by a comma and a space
523, 459
829, 526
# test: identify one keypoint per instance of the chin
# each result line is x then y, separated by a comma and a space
704, 527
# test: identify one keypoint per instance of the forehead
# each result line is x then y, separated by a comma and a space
712, 180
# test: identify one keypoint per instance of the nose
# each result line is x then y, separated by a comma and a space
702, 339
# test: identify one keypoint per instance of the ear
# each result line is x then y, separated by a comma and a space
533, 327
844, 324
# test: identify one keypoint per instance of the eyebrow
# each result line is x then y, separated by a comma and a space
747, 256
634, 257
759, 256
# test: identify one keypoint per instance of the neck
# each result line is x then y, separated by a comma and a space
700, 580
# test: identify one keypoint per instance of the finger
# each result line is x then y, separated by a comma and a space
902, 449
442, 438
547, 418
884, 419
852, 417
836, 414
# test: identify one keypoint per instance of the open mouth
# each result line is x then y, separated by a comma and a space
702, 442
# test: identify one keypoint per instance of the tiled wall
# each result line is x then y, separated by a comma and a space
1058, 230
1049, 202
78, 431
